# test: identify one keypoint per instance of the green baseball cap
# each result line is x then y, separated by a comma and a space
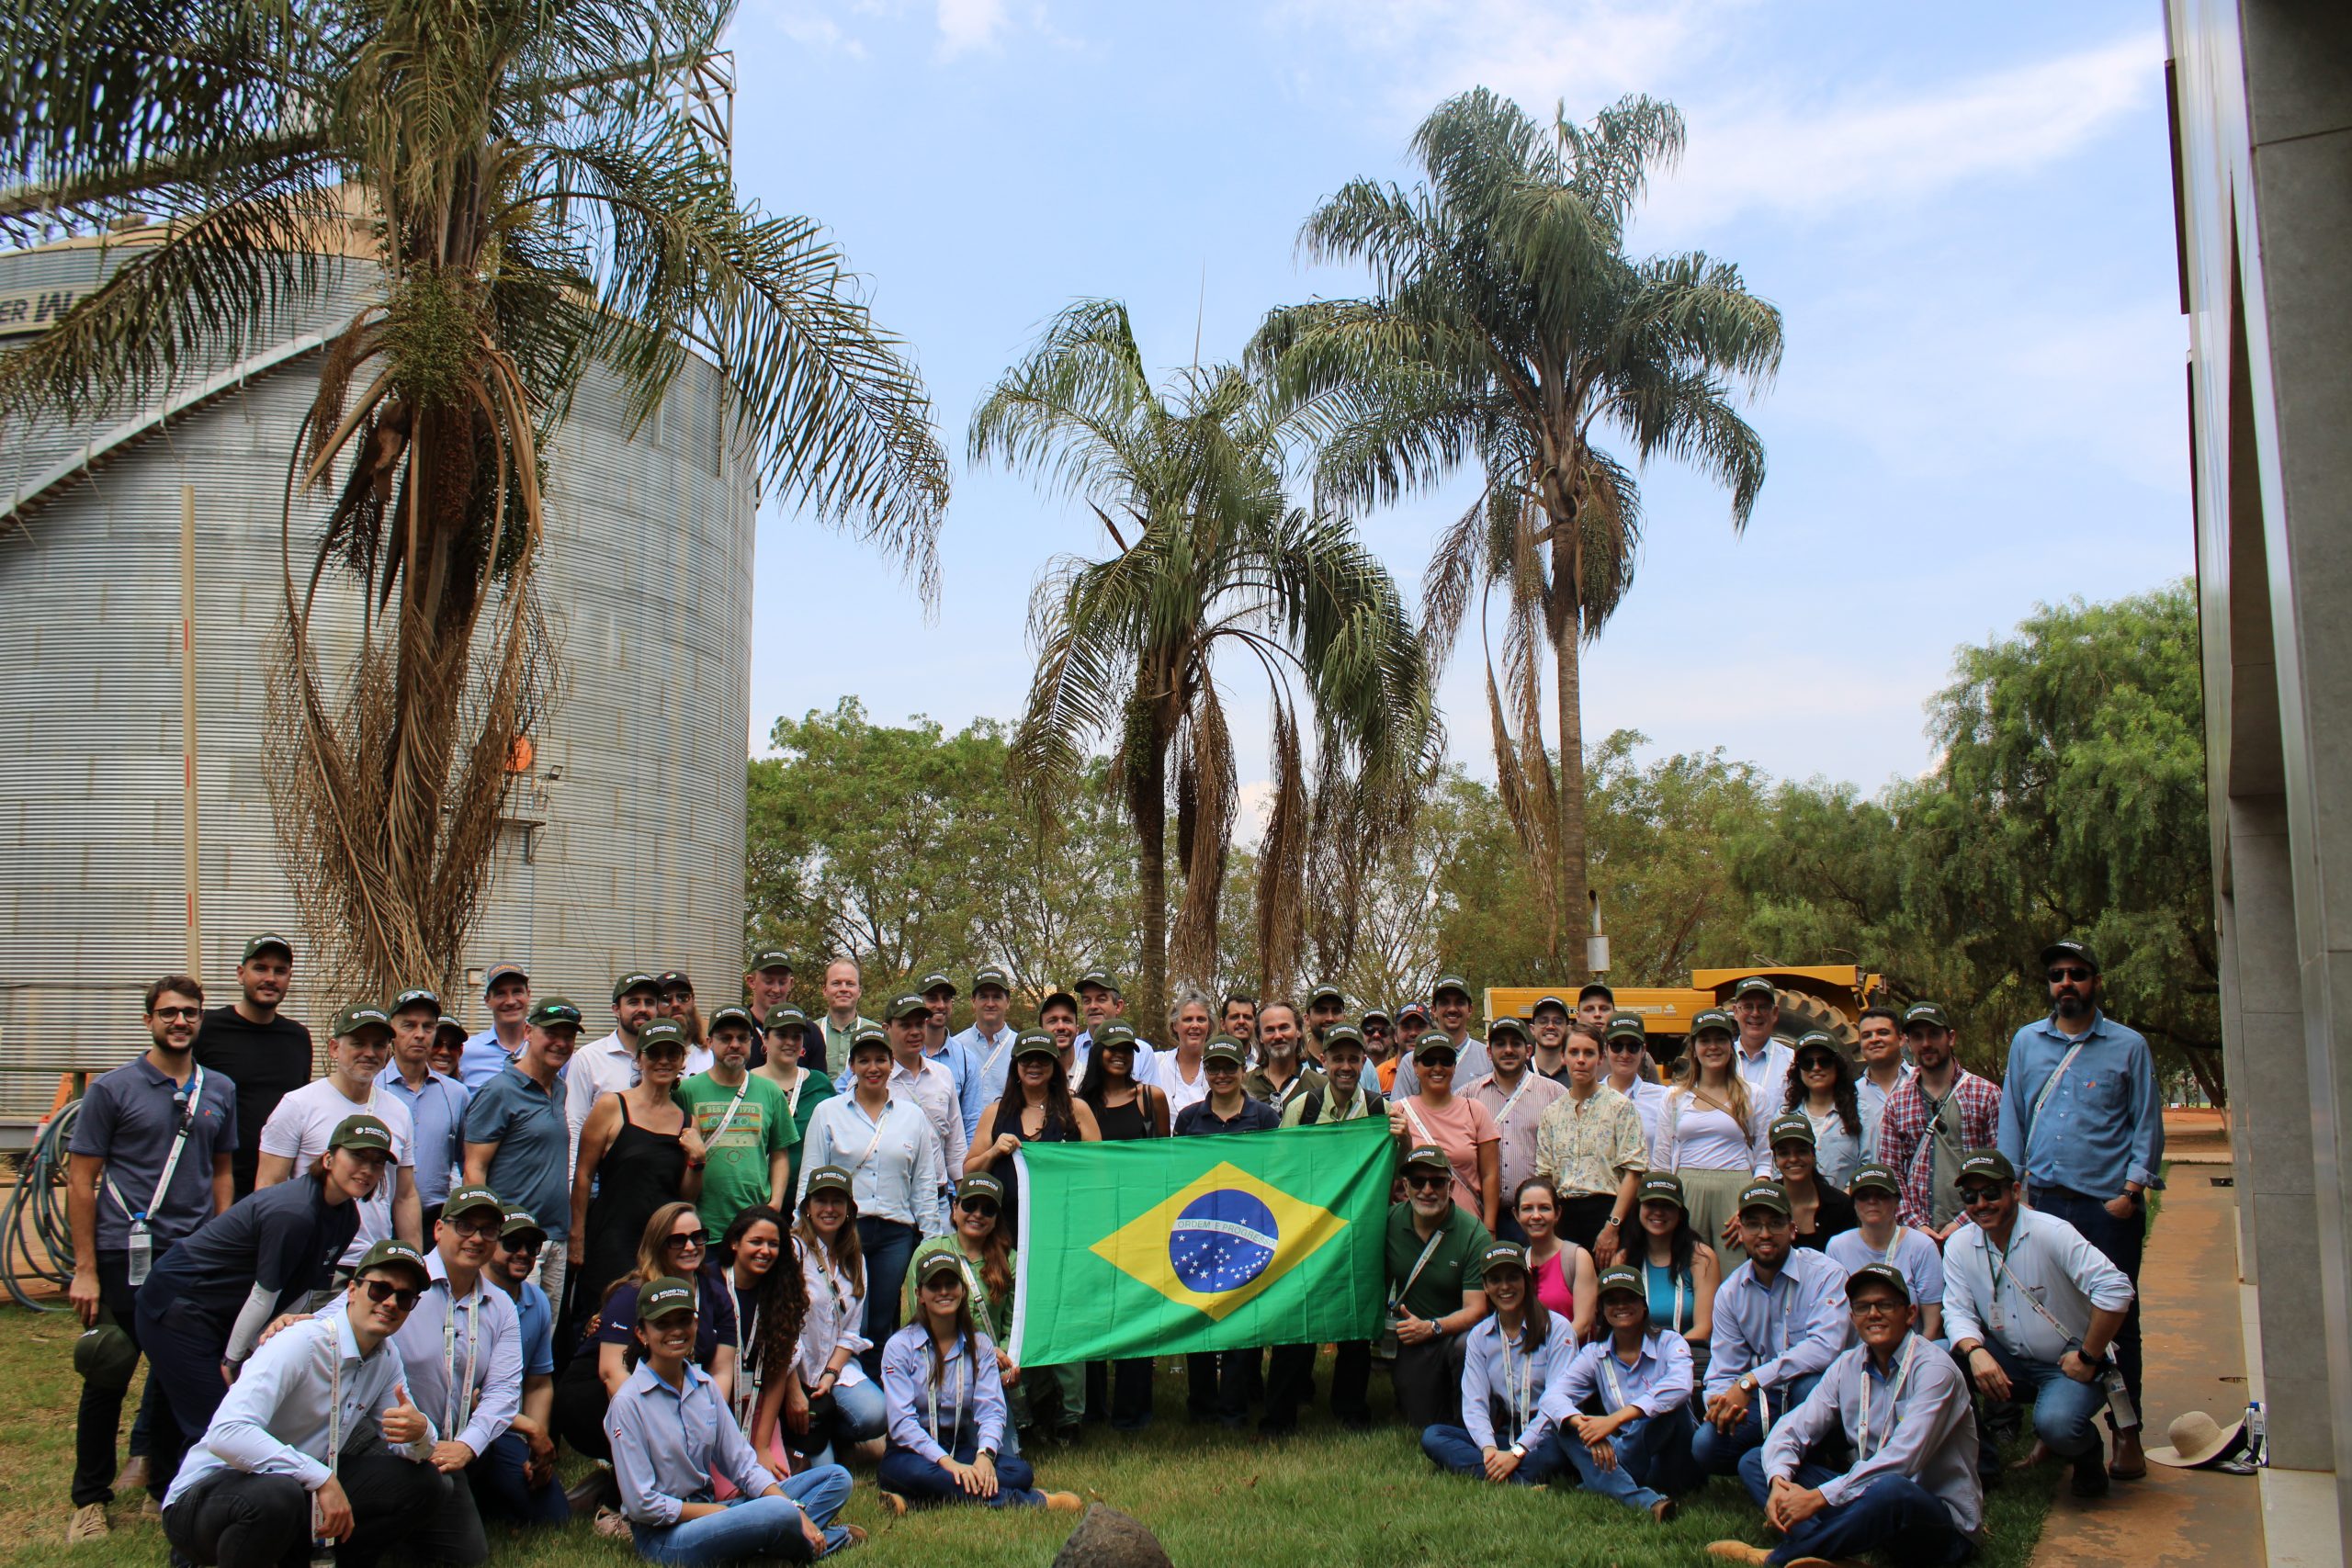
989, 975
1435, 1040
1756, 985
367, 1015
446, 1022
554, 1012
1596, 988
519, 1224
104, 1357
1503, 1255
1625, 1026
1342, 1034
940, 1260
1115, 1032
1815, 1040
1101, 979
1925, 1015
786, 1017
1791, 1128
936, 981
868, 1034
1035, 1043
264, 942
2069, 948
635, 980
361, 1131
1555, 1003
741, 1017
1621, 1277
909, 1005
1662, 1187
467, 1199
979, 1184
502, 972
828, 1179
771, 958
1713, 1020
1885, 1274
1451, 983
1326, 994
657, 1299
673, 980
1060, 999
393, 1253
661, 1031
1873, 1178
415, 996
1769, 1195
1508, 1024
1370, 1013
1427, 1156
1992, 1165
1224, 1048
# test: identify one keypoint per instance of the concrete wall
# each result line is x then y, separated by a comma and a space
2263, 94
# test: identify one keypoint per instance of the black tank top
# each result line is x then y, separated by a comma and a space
1122, 1122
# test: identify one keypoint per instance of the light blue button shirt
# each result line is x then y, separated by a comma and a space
1926, 1429
1783, 1331
993, 1060
436, 1115
895, 1167
276, 1417
1921, 1263
1871, 1101
481, 1056
1513, 1377
668, 1441
927, 1418
1660, 1379
443, 1341
2103, 1126
965, 1068
2049, 1262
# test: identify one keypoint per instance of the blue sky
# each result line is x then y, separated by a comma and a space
1964, 214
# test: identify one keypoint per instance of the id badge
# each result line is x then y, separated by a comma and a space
143, 1253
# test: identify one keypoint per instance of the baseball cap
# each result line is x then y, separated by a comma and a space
992, 975
739, 1016
1370, 1013
1412, 1009
657, 1299
1791, 1129
1037, 1042
942, 1260
1713, 1019
935, 981
635, 980
771, 958
446, 1022
1435, 1041
979, 1184
550, 1012
1661, 1187
502, 972
1990, 1164
393, 1253
1927, 1015
907, 1004
520, 1224
2067, 947
1427, 1156
1508, 1024
1342, 1034
1543, 1002
787, 1016
869, 1034
1625, 1026
1885, 1274
1755, 986
1595, 989
469, 1198
264, 942
1875, 1178
1114, 1034
1450, 983
1504, 1255
415, 996
1224, 1048
1064, 999
1326, 994
1101, 979
1815, 1040
105, 1358
1621, 1277
826, 1179
673, 980
661, 1031
351, 1019
1769, 1195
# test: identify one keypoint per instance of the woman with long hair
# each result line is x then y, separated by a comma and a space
1463, 1128
771, 1301
1711, 1135
1181, 1076
946, 1406
638, 1150
1818, 1210
1507, 1358
1679, 1270
1822, 1089
838, 1404
1559, 1272
978, 1241
1124, 1110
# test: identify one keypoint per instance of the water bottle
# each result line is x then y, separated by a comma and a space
2257, 1442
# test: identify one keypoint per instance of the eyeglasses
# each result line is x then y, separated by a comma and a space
689, 1241
2068, 972
1979, 1197
381, 1290
489, 1227
170, 1014
1880, 1309
985, 1208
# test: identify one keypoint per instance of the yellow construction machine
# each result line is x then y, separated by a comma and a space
1826, 996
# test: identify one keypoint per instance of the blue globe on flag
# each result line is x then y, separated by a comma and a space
1222, 1240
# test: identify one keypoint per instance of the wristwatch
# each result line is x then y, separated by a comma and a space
1746, 1383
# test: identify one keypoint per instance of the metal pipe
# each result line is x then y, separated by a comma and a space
187, 728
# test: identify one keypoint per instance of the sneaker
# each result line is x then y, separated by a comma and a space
592, 1491
89, 1524
857, 1536
1064, 1502
151, 1506
133, 1476
1663, 1511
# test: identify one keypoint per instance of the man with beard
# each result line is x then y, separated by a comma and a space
1324, 1006
1933, 1117
1450, 1008
2084, 1124
249, 1041
435, 1103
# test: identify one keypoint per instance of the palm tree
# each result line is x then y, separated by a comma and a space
525, 190
1508, 327
1207, 557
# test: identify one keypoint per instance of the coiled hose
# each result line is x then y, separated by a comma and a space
35, 1224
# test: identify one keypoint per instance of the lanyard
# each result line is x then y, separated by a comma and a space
458, 1408
747, 1376
732, 1107
171, 1161
1893, 1397
1517, 1377
876, 1142
1617, 1400
1999, 1259
1502, 1117
334, 1406
1428, 1247
792, 1095
955, 1405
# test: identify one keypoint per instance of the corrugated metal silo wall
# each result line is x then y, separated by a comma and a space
639, 768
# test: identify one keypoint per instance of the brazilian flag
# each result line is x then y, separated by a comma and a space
1164, 1246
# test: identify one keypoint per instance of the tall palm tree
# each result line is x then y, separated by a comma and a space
1207, 557
1508, 328
531, 193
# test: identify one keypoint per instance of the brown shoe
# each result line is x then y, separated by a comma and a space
856, 1536
1738, 1552
2039, 1454
1663, 1511
2130, 1461
893, 1504
88, 1524
133, 1474
1064, 1502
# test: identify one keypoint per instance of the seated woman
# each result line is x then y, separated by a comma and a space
837, 1404
1507, 1359
1563, 1273
771, 1301
674, 1245
946, 1406
1820, 1210
1679, 1270
670, 1432
1638, 1450
979, 1240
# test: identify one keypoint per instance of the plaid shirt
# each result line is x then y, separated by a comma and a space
1904, 1141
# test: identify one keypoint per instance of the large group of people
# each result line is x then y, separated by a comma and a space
725, 1258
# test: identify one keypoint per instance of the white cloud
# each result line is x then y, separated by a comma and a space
967, 25
811, 26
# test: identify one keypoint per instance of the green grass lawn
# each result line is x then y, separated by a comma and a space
1213, 1498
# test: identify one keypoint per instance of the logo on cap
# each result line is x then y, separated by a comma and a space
739, 1016
661, 1031
659, 1298
1620, 1277
351, 1021
360, 1132
1765, 1195
266, 941
635, 980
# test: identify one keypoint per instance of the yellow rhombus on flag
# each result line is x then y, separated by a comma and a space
1236, 1256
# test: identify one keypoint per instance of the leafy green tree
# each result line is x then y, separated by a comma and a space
515, 190
1208, 559
1508, 328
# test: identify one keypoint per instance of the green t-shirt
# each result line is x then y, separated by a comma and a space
736, 1177
1456, 1266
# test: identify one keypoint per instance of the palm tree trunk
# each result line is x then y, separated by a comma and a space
1148, 801
1568, 873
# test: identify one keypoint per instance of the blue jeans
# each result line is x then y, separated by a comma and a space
754, 1527
1451, 1448
1718, 1453
1653, 1460
502, 1493
1894, 1515
2065, 1413
859, 1415
889, 1246
918, 1479
2123, 1241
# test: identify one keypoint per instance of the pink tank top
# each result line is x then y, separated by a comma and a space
1552, 1285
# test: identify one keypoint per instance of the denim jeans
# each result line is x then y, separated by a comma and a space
2122, 1242
889, 1246
1718, 1453
1894, 1515
919, 1479
2064, 1412
1653, 1460
501, 1492
754, 1527
1451, 1448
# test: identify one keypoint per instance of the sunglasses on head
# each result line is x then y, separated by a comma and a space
2068, 972
400, 1296
688, 1240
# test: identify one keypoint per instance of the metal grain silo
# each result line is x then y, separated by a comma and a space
625, 846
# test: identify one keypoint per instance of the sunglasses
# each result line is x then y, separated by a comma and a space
381, 1290
1627, 1047
1979, 1197
1420, 1183
1816, 1064
2068, 973
688, 1241
520, 1248
984, 1207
